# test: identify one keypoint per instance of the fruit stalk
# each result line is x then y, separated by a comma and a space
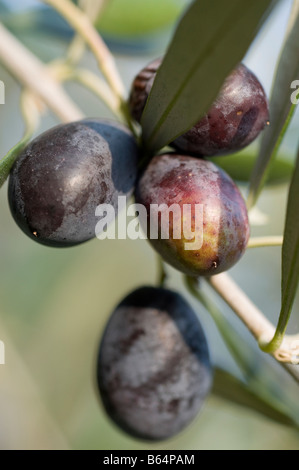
162, 275
259, 326
251, 316
259, 242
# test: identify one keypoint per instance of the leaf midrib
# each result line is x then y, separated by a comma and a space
200, 61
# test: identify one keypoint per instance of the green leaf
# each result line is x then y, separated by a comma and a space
138, 17
230, 388
281, 106
290, 262
290, 248
8, 160
209, 42
240, 165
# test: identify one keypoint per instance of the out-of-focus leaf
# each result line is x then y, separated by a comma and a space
240, 165
244, 355
3, 8
231, 388
138, 17
209, 42
281, 106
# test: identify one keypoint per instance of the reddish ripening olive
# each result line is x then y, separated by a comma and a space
153, 369
209, 239
236, 118
65, 173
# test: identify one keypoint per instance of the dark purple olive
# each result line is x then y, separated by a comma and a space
153, 369
65, 173
141, 88
236, 118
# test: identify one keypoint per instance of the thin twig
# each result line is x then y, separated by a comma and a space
246, 310
259, 242
162, 275
261, 328
76, 48
32, 73
91, 81
82, 25
229, 335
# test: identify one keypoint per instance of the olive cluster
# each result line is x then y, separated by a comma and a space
153, 369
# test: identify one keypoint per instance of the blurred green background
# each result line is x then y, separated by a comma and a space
54, 303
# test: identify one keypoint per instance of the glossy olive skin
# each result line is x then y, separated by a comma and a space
153, 369
233, 122
223, 227
235, 119
65, 173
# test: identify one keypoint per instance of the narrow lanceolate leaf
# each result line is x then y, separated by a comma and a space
8, 160
211, 39
290, 250
232, 389
282, 105
240, 165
